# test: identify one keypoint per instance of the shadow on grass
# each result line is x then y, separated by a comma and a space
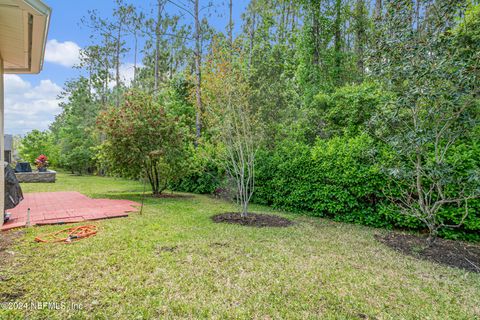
139, 196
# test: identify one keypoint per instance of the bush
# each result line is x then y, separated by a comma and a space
335, 178
348, 109
204, 180
342, 178
205, 174
465, 158
142, 140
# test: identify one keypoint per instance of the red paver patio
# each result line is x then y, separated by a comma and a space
65, 207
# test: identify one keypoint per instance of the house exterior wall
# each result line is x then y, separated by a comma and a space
32, 36
2, 153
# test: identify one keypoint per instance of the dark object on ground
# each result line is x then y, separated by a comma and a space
23, 167
448, 252
252, 220
13, 192
171, 196
168, 249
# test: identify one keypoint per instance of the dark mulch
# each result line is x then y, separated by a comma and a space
252, 219
171, 196
456, 254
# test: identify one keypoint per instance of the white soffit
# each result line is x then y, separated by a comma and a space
23, 34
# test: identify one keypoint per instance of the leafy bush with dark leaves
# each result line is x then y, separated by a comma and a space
343, 179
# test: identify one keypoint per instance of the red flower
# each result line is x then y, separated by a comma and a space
41, 161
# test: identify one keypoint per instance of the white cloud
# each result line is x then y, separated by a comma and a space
65, 53
29, 107
127, 71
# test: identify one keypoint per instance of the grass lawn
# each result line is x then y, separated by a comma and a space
174, 262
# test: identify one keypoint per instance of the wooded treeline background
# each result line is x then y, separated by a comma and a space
364, 111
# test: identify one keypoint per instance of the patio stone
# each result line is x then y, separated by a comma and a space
66, 207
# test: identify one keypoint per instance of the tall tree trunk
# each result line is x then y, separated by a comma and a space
170, 64
294, 23
230, 25
378, 10
282, 22
157, 48
198, 74
117, 63
285, 24
417, 16
252, 38
338, 39
106, 80
135, 57
90, 80
360, 35
315, 36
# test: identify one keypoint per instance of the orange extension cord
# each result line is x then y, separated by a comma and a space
72, 234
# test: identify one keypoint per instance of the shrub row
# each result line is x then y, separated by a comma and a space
341, 178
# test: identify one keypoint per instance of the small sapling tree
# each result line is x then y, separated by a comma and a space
241, 146
234, 120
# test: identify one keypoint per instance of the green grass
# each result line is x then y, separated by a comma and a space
173, 262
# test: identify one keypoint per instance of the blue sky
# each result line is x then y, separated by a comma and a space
30, 100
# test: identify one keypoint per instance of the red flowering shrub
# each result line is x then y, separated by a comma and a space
142, 140
41, 161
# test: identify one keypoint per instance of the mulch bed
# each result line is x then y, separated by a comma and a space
456, 254
252, 220
171, 196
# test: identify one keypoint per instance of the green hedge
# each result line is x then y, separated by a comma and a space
340, 178
335, 178
204, 180
205, 174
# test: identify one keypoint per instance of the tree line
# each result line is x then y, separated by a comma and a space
389, 87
